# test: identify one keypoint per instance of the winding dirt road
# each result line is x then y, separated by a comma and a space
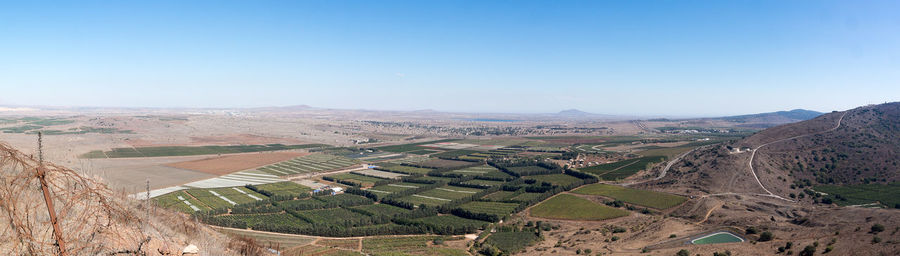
753, 155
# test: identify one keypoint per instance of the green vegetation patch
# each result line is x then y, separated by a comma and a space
887, 194
285, 188
201, 150
407, 245
622, 169
356, 178
555, 179
512, 241
496, 208
455, 153
382, 209
411, 146
569, 207
646, 198
403, 169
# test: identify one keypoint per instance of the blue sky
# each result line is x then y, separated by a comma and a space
680, 58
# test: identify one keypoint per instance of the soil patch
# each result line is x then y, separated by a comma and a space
231, 163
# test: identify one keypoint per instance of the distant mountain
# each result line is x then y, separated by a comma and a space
574, 113
796, 114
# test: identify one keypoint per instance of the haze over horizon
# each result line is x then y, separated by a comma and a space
619, 58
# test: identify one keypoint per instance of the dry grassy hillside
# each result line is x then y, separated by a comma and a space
92, 219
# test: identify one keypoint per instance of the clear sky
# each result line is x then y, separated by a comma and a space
683, 58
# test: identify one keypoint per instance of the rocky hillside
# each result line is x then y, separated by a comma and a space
861, 145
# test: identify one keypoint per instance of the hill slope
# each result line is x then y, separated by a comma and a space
851, 147
92, 219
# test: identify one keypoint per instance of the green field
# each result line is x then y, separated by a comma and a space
410, 245
646, 198
887, 194
256, 220
403, 169
450, 221
512, 241
555, 179
201, 150
331, 216
622, 169
308, 164
361, 179
424, 151
395, 187
569, 207
450, 192
500, 195
455, 153
496, 208
172, 201
284, 188
526, 169
382, 209
411, 146
486, 182
483, 171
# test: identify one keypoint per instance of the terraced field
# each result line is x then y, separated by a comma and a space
308, 164
646, 198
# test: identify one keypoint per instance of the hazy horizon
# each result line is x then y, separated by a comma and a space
617, 58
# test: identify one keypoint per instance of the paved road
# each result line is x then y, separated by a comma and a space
753, 155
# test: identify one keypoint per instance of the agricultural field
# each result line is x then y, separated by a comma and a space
645, 198
555, 179
500, 196
318, 250
284, 240
450, 192
454, 153
496, 208
526, 169
379, 174
200, 150
180, 201
254, 221
512, 241
622, 169
348, 244
483, 171
410, 147
424, 152
231, 163
308, 164
382, 209
525, 197
395, 187
410, 245
364, 180
888, 195
221, 198
569, 207
285, 188
331, 216
450, 221
403, 169
442, 163
485, 182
